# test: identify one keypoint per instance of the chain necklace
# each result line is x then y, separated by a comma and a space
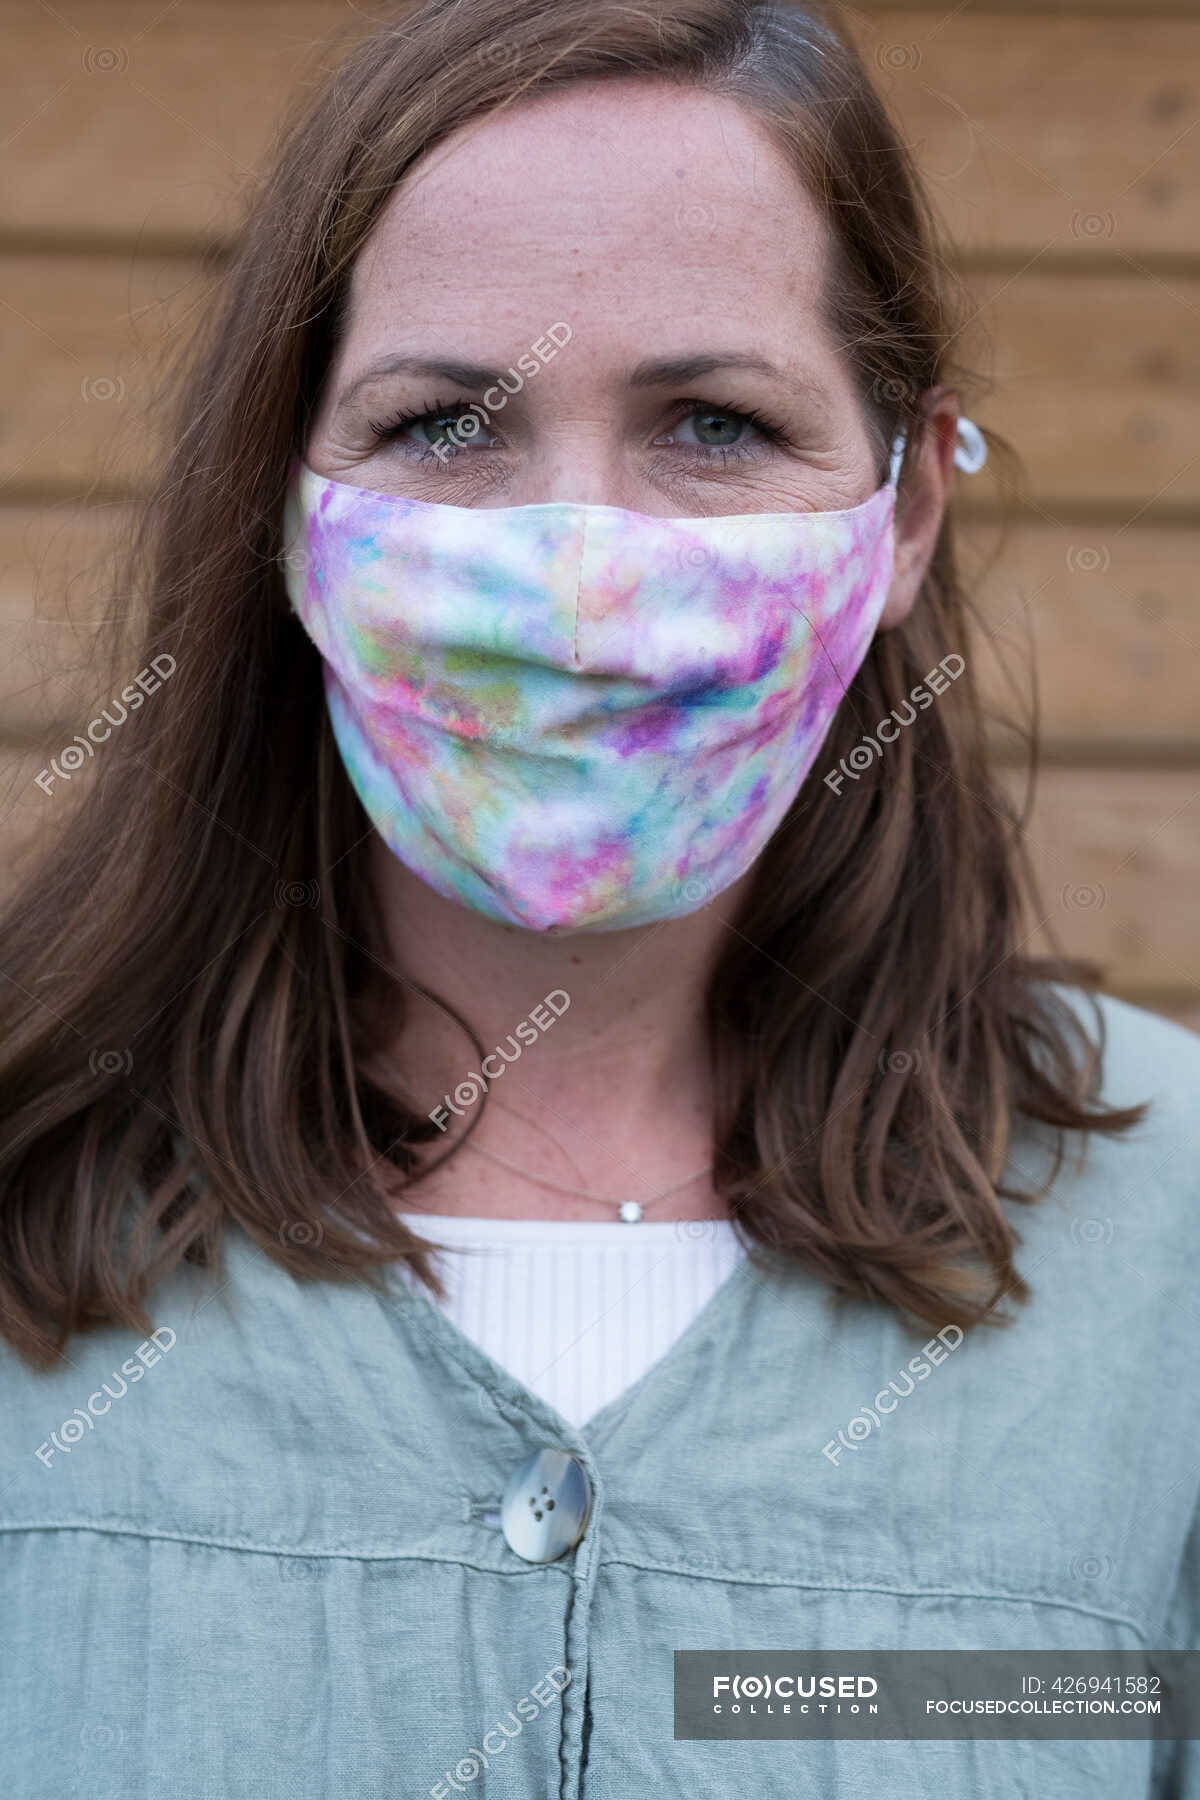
628, 1210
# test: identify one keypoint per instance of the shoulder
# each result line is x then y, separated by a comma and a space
1124, 1205
1151, 1170
51, 1418
1144, 1056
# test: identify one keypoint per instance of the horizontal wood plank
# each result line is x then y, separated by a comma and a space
1069, 133
1107, 618
137, 121
86, 357
1116, 854
58, 588
1094, 379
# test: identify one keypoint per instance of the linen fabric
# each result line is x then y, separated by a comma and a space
274, 1568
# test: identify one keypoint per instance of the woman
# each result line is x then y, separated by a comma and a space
569, 802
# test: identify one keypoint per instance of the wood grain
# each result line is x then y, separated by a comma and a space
138, 121
1072, 133
1061, 144
1094, 379
1116, 854
1108, 619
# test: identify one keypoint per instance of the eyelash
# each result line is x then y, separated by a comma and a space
387, 430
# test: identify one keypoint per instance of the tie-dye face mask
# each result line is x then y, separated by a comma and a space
576, 717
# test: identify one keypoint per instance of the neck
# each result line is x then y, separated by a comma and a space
606, 1088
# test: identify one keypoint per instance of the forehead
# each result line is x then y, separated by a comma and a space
622, 206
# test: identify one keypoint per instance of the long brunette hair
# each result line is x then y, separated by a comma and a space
195, 967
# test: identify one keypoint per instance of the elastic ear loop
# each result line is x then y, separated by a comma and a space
970, 453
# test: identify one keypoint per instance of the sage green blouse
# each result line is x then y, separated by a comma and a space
262, 1554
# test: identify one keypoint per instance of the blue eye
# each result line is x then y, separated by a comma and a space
722, 434
444, 428
704, 431
716, 427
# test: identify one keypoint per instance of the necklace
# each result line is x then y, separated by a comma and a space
629, 1210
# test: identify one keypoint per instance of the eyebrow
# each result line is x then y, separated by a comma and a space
652, 372
673, 370
467, 375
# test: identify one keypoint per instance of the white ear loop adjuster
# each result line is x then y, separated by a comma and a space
970, 453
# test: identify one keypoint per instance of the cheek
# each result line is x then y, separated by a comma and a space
803, 487
352, 464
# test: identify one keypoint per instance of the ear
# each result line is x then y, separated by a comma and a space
924, 491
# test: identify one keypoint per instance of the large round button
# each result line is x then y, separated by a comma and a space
545, 1508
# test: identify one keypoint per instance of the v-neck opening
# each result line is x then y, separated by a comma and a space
496, 1376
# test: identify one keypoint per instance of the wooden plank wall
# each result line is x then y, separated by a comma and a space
1061, 143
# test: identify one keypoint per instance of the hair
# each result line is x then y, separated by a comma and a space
196, 980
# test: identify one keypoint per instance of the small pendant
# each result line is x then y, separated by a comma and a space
631, 1211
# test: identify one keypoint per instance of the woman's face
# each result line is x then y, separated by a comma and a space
661, 227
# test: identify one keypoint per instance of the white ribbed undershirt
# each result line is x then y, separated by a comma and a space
576, 1311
